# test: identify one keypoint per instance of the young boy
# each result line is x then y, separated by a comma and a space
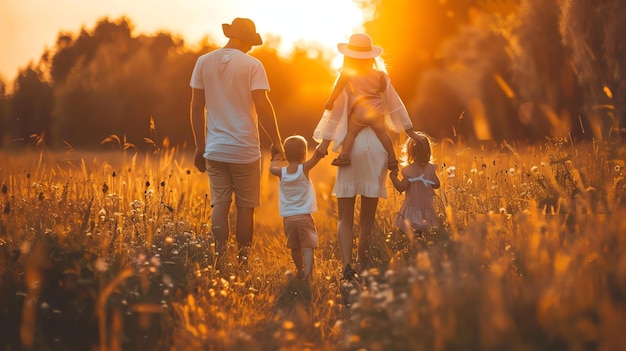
297, 202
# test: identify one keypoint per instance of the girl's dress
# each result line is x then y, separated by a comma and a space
367, 174
417, 211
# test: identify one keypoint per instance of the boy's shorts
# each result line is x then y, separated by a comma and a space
244, 179
300, 231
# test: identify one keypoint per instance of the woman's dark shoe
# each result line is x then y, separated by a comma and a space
349, 273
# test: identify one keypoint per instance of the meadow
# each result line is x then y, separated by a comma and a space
113, 251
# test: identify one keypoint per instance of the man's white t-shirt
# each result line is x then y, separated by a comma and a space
228, 76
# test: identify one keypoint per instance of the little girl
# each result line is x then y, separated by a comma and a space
419, 179
364, 80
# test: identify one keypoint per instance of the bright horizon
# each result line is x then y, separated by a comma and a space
28, 27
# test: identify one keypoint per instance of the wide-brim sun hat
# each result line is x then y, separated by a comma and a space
359, 46
244, 29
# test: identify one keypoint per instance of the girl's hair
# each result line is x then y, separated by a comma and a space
295, 148
418, 150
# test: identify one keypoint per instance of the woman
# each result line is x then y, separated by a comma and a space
367, 172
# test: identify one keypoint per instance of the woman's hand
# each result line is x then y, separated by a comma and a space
319, 153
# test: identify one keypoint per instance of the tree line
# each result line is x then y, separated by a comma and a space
468, 70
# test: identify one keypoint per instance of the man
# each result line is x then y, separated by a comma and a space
231, 86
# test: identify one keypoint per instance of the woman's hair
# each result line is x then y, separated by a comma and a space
295, 148
418, 150
355, 64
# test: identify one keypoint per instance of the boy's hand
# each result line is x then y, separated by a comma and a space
393, 173
320, 153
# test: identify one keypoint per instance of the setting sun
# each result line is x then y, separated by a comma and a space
323, 23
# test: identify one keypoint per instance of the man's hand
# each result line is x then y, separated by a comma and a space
393, 173
277, 152
199, 161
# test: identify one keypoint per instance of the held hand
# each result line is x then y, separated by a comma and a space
412, 134
393, 173
277, 152
199, 161
320, 152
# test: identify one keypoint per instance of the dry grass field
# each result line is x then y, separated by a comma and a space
114, 252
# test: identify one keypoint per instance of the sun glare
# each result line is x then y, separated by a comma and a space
321, 23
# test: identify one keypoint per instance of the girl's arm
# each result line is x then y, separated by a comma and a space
400, 185
411, 133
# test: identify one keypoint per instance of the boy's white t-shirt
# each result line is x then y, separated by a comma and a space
296, 194
228, 76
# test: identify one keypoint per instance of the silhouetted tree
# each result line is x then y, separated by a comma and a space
4, 115
31, 106
117, 84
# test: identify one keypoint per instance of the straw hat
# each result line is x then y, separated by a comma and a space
359, 46
244, 29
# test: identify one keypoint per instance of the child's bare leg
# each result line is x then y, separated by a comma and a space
296, 254
307, 254
220, 228
385, 139
353, 129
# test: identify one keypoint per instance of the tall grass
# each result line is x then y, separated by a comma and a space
114, 251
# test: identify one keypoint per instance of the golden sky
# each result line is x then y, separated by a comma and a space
27, 27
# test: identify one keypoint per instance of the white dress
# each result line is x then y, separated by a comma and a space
367, 173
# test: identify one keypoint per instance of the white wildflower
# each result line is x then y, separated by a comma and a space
101, 265
25, 247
